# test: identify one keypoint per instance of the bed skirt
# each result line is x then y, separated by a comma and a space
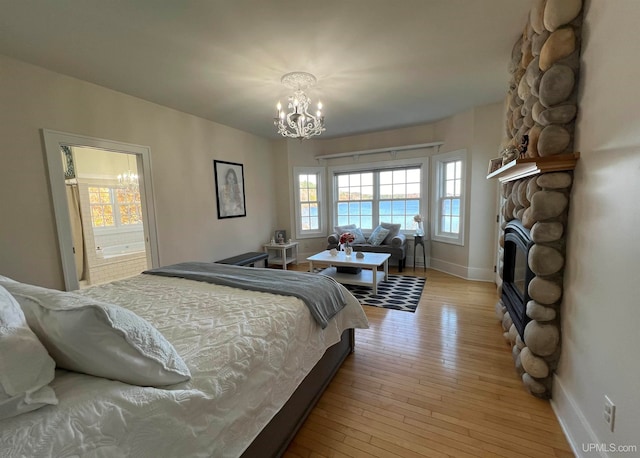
274, 439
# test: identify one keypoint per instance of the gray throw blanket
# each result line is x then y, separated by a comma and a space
321, 294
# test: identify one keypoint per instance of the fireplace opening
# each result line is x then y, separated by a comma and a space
516, 273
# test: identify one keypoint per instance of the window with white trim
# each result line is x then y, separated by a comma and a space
310, 208
370, 196
114, 207
448, 205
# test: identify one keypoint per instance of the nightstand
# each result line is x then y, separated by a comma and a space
283, 254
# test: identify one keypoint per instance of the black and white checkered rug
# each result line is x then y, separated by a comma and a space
401, 292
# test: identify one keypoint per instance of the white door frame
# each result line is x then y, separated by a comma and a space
53, 140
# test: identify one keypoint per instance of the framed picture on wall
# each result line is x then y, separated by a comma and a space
229, 189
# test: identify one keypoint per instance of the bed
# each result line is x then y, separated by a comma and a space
258, 361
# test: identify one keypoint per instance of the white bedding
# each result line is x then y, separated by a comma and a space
247, 352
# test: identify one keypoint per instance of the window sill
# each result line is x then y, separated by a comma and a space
315, 235
521, 168
449, 240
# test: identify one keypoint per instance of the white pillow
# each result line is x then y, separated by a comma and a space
26, 369
98, 338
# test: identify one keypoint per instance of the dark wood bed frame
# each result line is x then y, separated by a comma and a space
274, 439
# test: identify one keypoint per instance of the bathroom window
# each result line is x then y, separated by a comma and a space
128, 206
101, 207
114, 207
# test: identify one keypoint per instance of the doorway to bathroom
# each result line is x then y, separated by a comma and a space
104, 198
103, 201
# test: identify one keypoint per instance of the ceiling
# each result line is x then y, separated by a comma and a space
380, 64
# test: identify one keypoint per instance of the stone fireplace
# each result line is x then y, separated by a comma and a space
535, 171
532, 265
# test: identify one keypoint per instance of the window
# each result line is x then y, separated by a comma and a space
310, 219
101, 206
399, 196
114, 207
355, 200
448, 206
371, 196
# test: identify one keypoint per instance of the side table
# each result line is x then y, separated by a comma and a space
419, 240
281, 253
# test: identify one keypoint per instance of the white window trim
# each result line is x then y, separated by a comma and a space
320, 172
438, 165
422, 162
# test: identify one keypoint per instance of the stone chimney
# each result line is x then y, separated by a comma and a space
541, 106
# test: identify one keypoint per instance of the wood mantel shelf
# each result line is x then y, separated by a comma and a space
521, 168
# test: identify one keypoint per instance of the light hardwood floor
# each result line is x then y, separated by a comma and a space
439, 383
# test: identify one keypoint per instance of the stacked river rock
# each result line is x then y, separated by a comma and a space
541, 203
541, 103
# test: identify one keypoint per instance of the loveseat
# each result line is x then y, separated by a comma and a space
395, 243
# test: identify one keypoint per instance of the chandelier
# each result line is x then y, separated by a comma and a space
128, 179
298, 122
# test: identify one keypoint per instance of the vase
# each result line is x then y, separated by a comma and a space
419, 228
348, 251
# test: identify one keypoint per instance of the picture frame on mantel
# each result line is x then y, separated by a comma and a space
230, 195
494, 164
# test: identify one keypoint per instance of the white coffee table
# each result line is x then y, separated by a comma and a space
369, 276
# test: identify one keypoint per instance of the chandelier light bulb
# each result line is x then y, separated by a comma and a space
128, 179
299, 122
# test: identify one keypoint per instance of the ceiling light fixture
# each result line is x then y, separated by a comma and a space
298, 122
128, 179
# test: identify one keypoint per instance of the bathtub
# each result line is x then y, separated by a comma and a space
122, 250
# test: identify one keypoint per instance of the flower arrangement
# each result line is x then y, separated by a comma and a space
346, 238
417, 218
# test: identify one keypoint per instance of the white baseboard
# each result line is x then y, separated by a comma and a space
477, 274
449, 268
465, 272
574, 424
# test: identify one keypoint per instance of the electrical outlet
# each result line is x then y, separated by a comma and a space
609, 413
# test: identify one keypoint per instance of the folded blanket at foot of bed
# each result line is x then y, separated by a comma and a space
321, 294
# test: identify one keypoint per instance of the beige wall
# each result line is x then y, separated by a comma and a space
457, 134
602, 279
478, 131
182, 151
483, 193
